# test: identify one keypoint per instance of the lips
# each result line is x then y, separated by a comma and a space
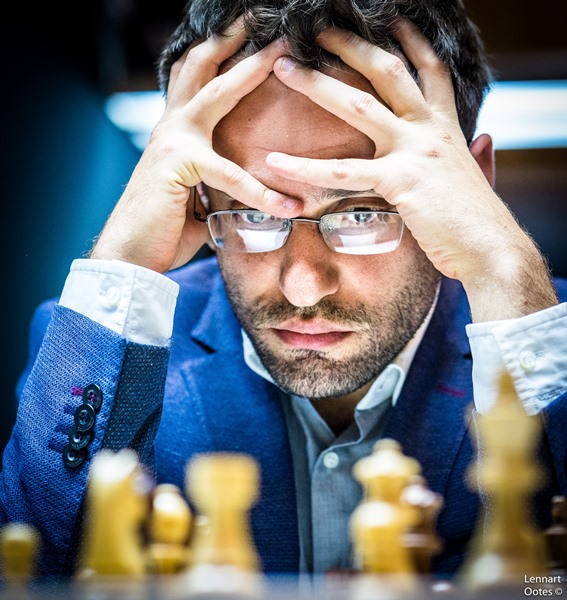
311, 335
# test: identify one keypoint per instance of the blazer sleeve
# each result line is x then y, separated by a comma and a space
41, 483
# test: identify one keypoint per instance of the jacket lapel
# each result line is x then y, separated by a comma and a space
430, 418
238, 411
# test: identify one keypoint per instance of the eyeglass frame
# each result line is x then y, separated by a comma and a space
198, 217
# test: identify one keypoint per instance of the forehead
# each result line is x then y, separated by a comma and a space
274, 118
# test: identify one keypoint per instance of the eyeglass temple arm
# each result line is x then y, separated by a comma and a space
196, 214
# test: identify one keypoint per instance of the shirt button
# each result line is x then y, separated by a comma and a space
527, 360
113, 295
331, 460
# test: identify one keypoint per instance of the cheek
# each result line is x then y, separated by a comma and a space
253, 274
381, 275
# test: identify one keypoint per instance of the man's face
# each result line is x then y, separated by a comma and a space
324, 323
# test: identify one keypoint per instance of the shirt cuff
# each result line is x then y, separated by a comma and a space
135, 302
533, 349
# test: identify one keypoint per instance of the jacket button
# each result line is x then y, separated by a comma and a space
73, 458
92, 394
85, 417
79, 439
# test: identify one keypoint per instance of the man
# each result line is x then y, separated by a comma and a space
361, 257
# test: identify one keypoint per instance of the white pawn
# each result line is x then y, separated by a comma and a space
19, 545
169, 528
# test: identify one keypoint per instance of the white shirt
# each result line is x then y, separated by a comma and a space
139, 304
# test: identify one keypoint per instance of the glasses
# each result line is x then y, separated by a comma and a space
362, 232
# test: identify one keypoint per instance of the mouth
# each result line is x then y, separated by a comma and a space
318, 334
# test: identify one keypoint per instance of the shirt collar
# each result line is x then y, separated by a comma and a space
387, 385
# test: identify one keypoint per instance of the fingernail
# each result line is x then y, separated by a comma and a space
287, 64
291, 204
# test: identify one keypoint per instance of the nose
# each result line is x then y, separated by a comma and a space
308, 271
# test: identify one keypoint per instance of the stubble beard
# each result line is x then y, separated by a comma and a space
381, 333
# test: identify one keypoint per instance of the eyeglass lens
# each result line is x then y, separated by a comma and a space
355, 232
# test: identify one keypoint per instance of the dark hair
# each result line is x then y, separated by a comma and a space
444, 22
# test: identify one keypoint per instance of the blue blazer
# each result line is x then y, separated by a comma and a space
198, 395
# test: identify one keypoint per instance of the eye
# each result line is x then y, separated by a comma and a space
256, 217
361, 216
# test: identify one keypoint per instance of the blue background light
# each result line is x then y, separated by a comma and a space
527, 114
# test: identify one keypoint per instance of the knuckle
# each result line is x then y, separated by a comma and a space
265, 198
394, 67
433, 151
199, 54
340, 169
216, 86
232, 174
430, 62
438, 147
363, 103
315, 76
349, 38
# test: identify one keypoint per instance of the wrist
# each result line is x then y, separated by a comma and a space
514, 283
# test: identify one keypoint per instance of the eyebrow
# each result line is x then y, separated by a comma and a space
326, 194
332, 194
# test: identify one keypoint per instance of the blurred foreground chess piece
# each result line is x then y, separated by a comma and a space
19, 547
117, 505
421, 539
224, 559
506, 546
169, 529
379, 522
556, 537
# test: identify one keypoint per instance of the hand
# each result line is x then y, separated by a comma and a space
152, 224
425, 168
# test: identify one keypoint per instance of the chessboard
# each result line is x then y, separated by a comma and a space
142, 540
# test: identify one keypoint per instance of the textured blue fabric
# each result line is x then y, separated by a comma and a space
213, 402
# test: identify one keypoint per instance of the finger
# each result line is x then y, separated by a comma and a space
201, 63
224, 92
386, 72
435, 77
354, 174
221, 174
358, 108
175, 70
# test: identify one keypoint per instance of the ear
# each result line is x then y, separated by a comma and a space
482, 150
203, 196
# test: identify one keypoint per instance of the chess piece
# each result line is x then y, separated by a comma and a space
223, 487
421, 538
556, 537
169, 528
506, 547
379, 522
19, 545
116, 507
